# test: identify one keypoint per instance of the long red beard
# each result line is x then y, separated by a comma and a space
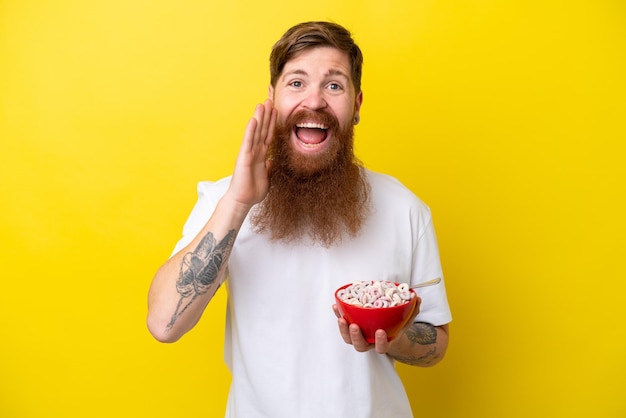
325, 197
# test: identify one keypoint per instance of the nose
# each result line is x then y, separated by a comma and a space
314, 99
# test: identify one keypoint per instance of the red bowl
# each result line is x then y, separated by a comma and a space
391, 319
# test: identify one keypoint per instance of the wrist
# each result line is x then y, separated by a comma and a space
234, 206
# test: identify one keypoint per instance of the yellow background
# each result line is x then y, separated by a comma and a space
506, 117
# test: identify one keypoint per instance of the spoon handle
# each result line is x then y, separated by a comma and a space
428, 283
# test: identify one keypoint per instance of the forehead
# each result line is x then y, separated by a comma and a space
319, 61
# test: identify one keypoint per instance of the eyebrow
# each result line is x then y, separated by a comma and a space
334, 72
330, 73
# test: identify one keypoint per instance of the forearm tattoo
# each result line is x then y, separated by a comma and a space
421, 333
199, 270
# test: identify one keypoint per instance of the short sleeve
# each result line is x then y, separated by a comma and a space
209, 193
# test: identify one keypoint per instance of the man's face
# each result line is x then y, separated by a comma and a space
315, 100
317, 187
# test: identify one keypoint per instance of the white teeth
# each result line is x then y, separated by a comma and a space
311, 125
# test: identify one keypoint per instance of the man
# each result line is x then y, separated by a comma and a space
298, 218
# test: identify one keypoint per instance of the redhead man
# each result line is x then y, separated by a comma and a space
299, 217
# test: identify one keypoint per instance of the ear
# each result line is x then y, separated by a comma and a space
358, 102
270, 92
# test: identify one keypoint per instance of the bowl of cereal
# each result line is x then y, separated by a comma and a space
374, 305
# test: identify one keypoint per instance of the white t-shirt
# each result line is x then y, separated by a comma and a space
282, 343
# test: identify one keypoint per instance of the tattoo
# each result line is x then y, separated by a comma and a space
423, 334
199, 270
427, 359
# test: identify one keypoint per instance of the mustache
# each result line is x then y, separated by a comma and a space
279, 150
317, 116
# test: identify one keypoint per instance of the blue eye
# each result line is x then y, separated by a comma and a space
334, 86
296, 84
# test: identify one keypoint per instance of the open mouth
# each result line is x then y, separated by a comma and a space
311, 134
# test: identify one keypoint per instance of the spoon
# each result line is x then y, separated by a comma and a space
428, 283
